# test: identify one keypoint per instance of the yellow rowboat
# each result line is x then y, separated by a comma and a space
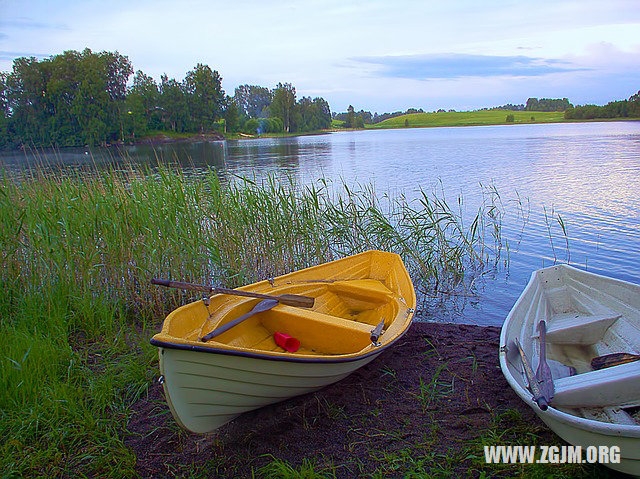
208, 384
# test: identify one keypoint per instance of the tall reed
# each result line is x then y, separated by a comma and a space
77, 252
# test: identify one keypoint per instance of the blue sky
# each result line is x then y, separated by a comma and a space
376, 55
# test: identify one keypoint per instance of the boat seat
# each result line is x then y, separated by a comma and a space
614, 386
318, 331
361, 294
577, 328
368, 289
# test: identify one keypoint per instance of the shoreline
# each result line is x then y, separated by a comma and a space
163, 139
426, 406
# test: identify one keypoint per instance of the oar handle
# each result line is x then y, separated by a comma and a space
538, 397
542, 403
542, 328
181, 285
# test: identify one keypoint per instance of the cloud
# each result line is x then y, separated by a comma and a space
456, 65
26, 23
5, 55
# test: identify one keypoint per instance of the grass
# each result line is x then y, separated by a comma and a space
77, 308
309, 469
431, 393
468, 118
421, 457
510, 428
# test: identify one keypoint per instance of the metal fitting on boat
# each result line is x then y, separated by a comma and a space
161, 379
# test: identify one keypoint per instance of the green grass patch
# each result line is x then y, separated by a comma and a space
308, 469
469, 118
175, 135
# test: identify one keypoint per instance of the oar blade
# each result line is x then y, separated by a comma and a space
613, 359
543, 373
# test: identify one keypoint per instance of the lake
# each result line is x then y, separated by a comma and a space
588, 173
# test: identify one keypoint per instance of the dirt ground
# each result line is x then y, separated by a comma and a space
418, 406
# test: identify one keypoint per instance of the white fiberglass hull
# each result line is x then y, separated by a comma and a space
207, 390
587, 315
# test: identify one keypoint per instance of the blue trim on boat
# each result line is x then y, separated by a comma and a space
291, 359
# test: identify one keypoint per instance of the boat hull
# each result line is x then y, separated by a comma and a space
208, 383
589, 434
208, 390
588, 315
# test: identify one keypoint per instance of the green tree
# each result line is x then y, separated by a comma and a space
173, 104
68, 99
283, 104
26, 97
61, 89
548, 104
532, 104
634, 105
350, 120
5, 137
231, 116
203, 87
90, 105
252, 100
142, 104
510, 118
321, 118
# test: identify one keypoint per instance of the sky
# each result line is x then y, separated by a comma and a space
375, 55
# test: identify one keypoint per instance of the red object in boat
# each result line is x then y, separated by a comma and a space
288, 343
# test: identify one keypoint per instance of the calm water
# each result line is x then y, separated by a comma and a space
588, 173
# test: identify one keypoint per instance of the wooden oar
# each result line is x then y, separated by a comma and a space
262, 306
288, 299
538, 397
543, 373
377, 332
613, 359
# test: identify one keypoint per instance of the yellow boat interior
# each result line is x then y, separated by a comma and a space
352, 296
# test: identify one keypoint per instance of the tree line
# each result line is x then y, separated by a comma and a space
547, 104
353, 119
261, 110
614, 109
85, 98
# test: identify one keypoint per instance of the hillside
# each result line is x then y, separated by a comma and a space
469, 118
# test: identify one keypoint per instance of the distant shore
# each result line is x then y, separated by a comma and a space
465, 119
414, 120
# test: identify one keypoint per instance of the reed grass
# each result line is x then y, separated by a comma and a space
77, 251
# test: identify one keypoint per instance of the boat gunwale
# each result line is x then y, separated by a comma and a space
271, 357
589, 425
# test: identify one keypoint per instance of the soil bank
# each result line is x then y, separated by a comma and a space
420, 408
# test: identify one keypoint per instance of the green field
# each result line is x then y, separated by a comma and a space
469, 118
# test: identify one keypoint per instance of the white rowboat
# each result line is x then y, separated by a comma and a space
587, 316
